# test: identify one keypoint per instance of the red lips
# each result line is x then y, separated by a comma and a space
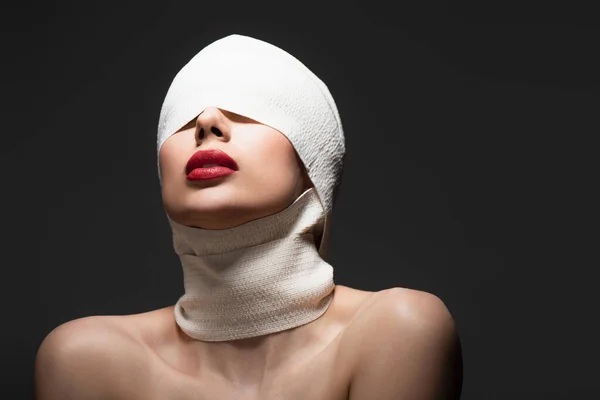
211, 156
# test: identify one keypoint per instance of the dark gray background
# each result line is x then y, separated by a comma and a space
469, 174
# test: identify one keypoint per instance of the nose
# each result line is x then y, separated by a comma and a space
211, 122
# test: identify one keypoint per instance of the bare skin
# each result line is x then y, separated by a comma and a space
393, 344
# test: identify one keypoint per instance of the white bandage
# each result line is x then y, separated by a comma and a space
258, 80
269, 274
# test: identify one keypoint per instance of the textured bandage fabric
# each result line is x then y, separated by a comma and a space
269, 274
261, 277
260, 81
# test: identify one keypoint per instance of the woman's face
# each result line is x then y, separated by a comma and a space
270, 175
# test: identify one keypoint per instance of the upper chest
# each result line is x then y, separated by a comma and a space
319, 372
323, 377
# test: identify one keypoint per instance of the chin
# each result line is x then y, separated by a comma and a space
210, 208
224, 206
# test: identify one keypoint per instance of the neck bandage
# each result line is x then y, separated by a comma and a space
269, 274
257, 278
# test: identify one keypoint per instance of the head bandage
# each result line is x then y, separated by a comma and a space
260, 81
266, 275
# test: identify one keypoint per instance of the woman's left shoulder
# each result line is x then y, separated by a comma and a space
403, 316
407, 334
413, 308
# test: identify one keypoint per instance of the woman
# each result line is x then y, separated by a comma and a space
250, 150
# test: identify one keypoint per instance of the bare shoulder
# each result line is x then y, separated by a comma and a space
415, 319
414, 311
407, 347
87, 358
406, 308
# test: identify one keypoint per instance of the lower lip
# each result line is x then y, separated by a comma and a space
201, 174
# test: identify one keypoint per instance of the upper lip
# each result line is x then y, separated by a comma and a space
210, 156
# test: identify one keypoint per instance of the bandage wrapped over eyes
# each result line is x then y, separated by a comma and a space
260, 81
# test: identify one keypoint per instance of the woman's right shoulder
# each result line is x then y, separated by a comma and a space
85, 358
83, 334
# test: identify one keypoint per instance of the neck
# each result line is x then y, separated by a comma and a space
258, 278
